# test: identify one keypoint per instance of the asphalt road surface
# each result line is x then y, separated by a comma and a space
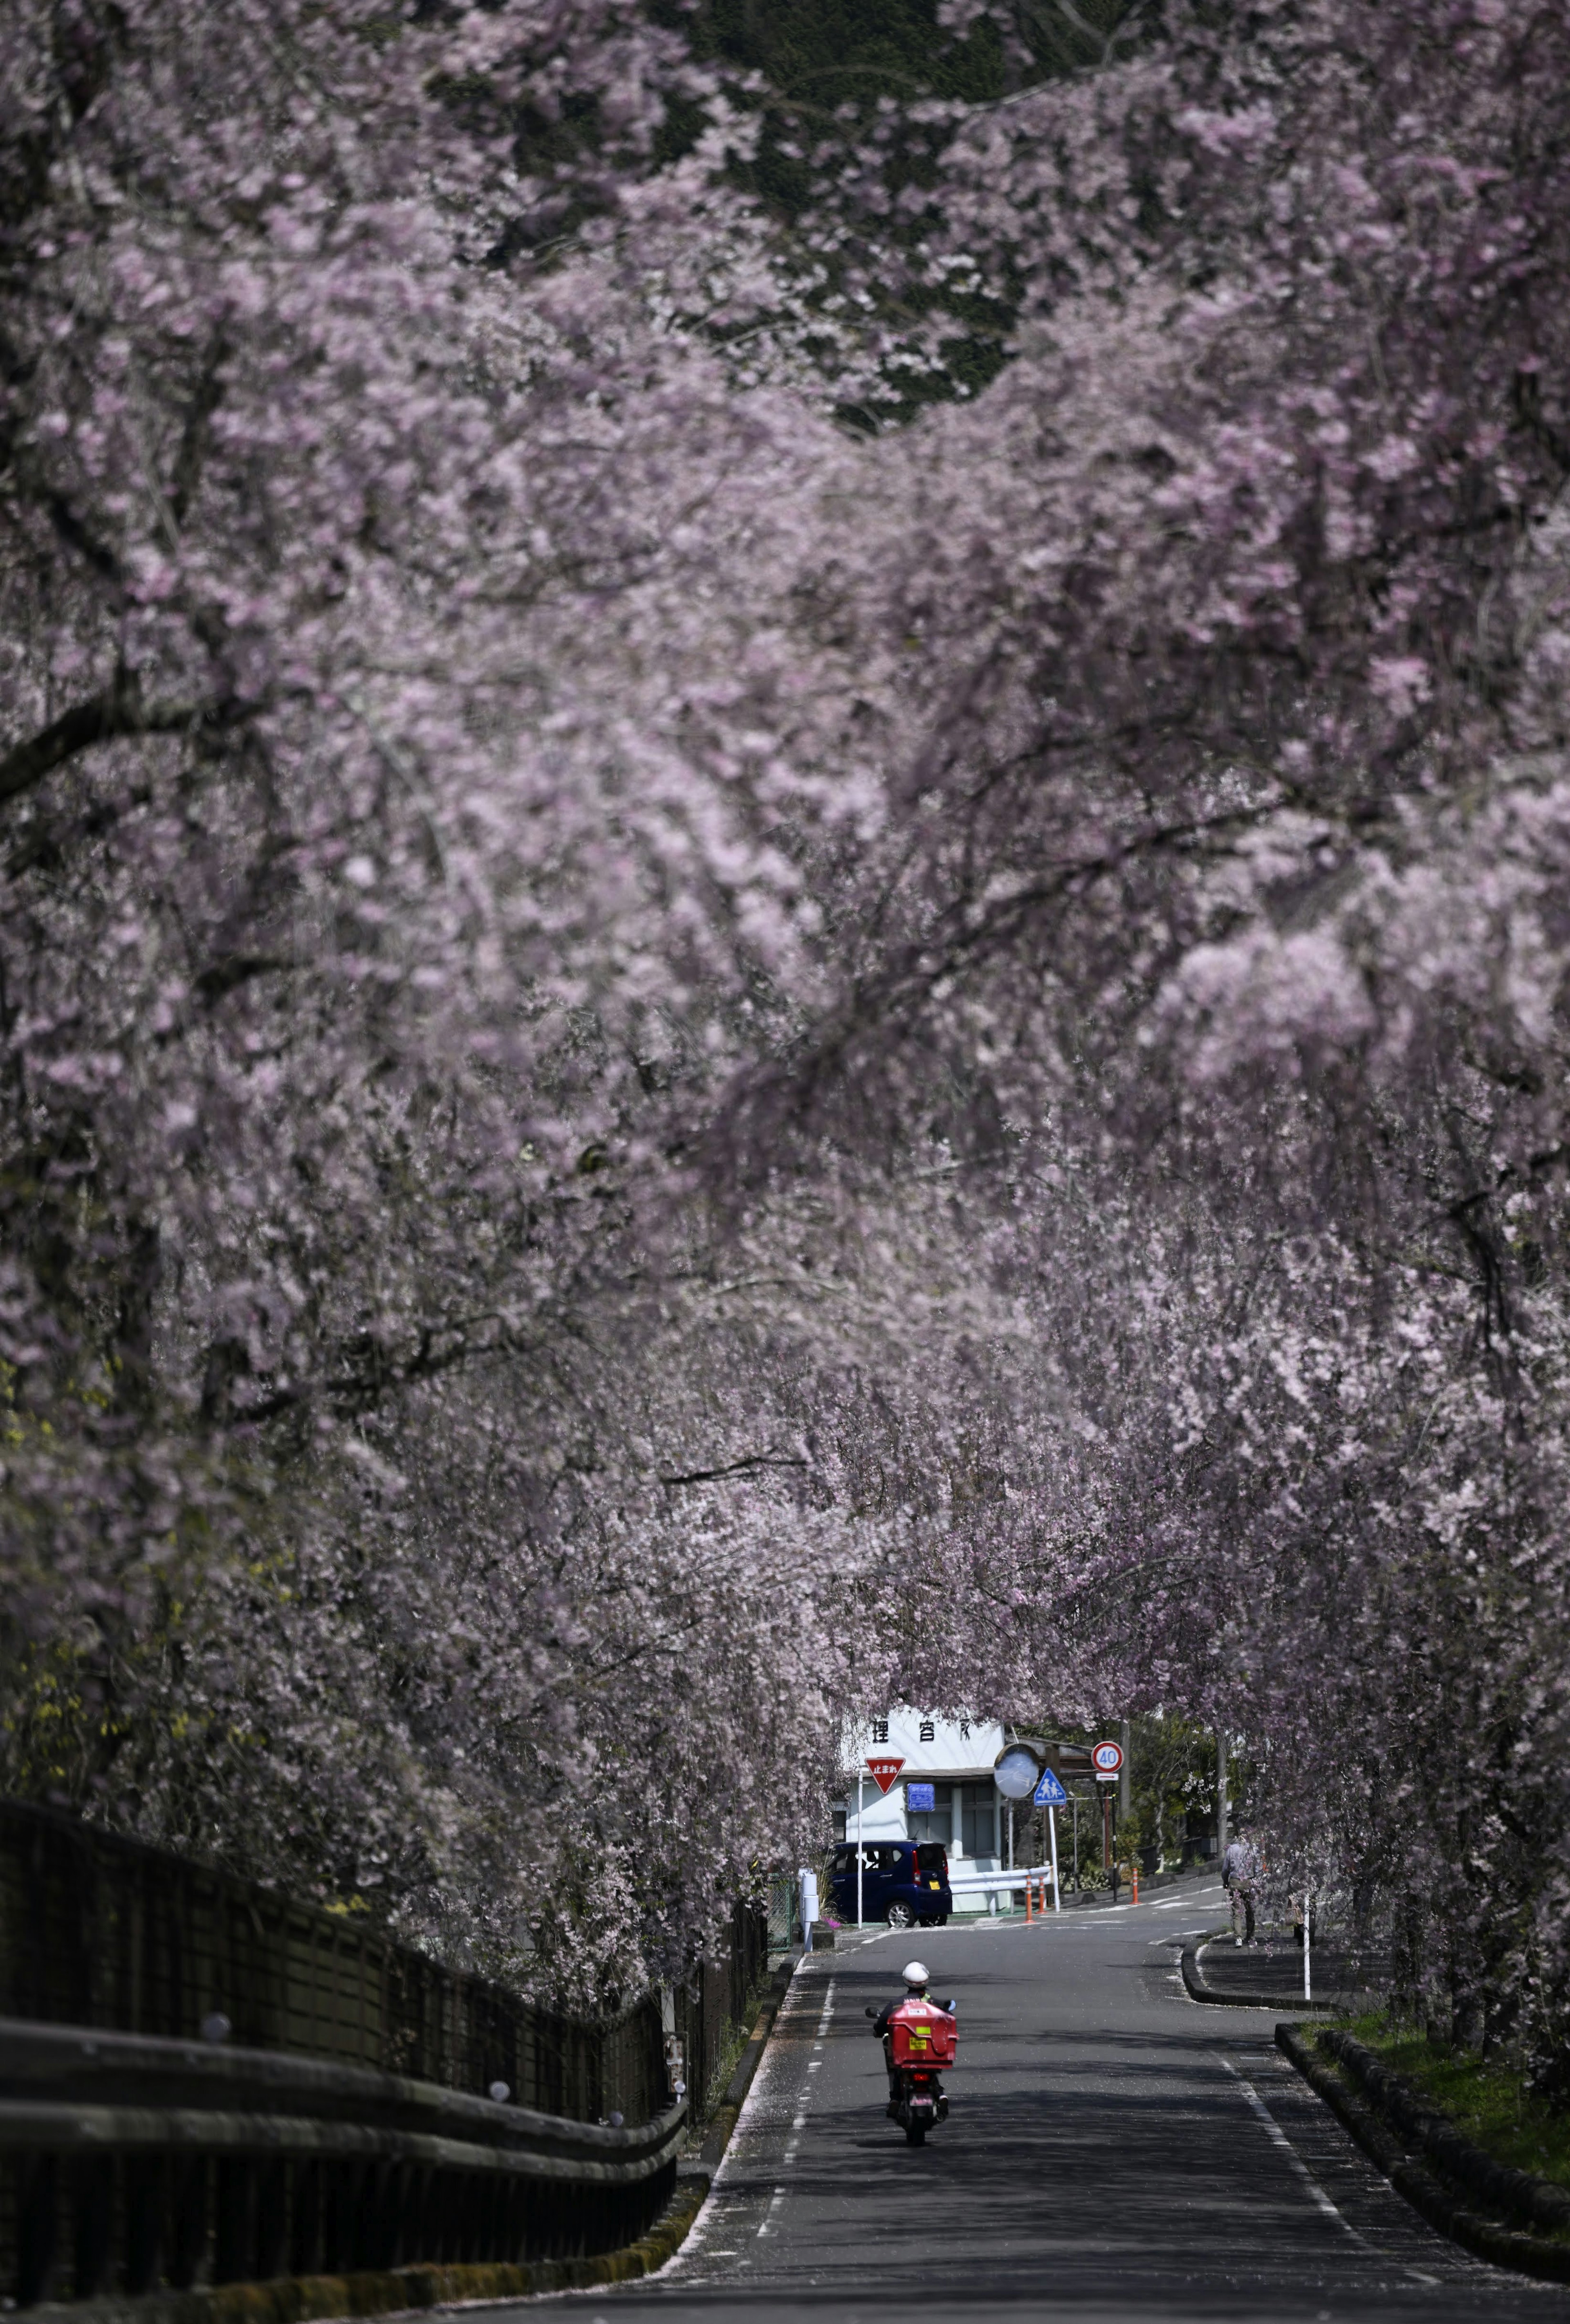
1113, 2150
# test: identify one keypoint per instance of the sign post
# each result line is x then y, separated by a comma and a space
1106, 1759
1049, 1794
883, 1770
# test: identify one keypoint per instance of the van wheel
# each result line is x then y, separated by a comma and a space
915, 2134
942, 1919
899, 1916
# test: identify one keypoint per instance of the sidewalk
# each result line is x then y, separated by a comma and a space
1271, 1975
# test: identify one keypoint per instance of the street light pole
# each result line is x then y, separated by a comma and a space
861, 1785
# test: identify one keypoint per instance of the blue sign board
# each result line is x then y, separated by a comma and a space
1049, 1792
921, 1799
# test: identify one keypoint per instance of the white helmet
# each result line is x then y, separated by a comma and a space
916, 1973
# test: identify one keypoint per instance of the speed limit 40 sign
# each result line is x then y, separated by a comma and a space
1106, 1759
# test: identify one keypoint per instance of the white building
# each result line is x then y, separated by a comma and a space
952, 1759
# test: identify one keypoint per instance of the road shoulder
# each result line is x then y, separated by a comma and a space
1454, 2185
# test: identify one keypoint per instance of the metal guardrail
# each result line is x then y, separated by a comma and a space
133, 2161
341, 2124
963, 1883
95, 1930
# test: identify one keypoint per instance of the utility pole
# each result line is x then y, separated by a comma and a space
1220, 1796
1124, 1778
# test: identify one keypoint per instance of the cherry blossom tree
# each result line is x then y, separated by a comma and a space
394, 781
670, 1062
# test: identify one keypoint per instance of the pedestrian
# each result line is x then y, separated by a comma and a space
1241, 1872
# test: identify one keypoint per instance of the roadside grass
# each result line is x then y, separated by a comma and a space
1489, 2101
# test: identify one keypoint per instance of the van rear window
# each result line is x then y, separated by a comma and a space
931, 1858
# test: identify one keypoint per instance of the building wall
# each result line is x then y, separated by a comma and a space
956, 1757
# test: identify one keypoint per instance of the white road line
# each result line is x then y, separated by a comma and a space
1293, 2157
797, 2003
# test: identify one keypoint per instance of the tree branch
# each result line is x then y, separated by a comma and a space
118, 711
735, 1468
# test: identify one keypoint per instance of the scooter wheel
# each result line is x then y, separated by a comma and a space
915, 2134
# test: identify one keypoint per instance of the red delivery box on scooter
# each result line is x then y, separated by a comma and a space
921, 2036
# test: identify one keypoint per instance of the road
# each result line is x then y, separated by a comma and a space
1115, 2151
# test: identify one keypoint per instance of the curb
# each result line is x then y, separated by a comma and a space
1485, 2238
1199, 1989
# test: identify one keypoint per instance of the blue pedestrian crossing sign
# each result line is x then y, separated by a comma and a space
1049, 1792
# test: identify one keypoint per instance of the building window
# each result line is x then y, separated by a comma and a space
880, 1731
978, 1807
929, 1730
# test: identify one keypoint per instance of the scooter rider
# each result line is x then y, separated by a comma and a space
917, 1978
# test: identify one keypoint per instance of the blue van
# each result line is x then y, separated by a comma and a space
905, 1882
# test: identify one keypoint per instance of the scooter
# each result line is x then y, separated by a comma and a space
921, 2037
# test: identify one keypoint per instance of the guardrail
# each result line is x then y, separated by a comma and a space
203, 2082
137, 2162
999, 1883
95, 1930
